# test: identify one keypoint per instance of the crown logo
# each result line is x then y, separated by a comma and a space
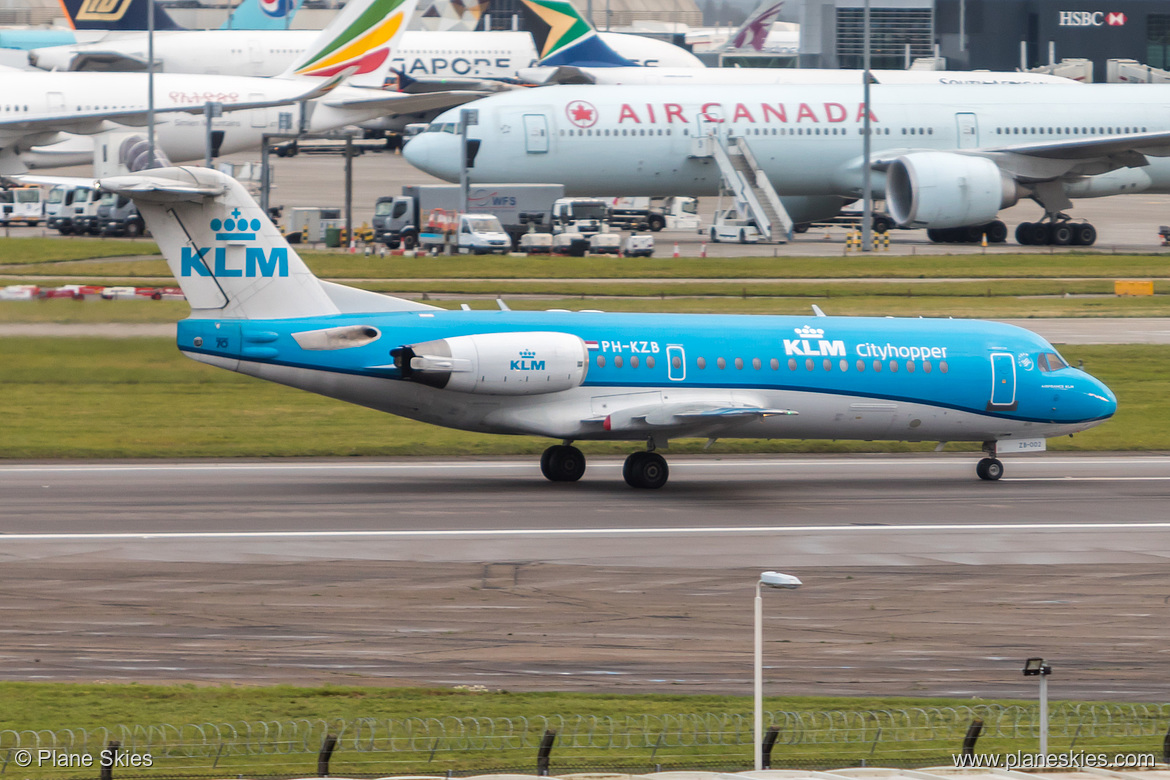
527, 353
809, 333
235, 228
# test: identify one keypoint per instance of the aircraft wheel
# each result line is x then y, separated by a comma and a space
971, 235
646, 470
561, 463
989, 469
714, 236
997, 232
1024, 234
1085, 234
1062, 234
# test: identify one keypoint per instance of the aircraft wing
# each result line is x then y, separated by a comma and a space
1154, 144
709, 417
96, 121
103, 61
402, 103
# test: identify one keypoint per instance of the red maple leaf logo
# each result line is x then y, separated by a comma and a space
581, 114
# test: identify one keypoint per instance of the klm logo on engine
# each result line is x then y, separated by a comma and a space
811, 342
214, 261
527, 362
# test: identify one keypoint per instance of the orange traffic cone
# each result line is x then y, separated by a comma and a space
676, 250
703, 249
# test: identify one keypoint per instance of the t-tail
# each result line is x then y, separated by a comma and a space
122, 15
228, 257
263, 15
359, 39
565, 38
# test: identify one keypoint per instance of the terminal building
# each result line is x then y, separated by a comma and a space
985, 34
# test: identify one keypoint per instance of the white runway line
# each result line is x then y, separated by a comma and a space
603, 462
550, 532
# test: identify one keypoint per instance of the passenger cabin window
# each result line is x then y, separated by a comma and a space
1050, 361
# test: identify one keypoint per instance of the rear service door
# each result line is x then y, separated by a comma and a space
1003, 382
536, 133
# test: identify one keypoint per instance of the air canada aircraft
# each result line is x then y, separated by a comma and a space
580, 376
947, 158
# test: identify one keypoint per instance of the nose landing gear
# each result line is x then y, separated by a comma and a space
989, 469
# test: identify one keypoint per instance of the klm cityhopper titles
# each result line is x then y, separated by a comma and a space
258, 310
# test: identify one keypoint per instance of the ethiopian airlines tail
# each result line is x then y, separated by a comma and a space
228, 257
263, 15
360, 37
122, 15
564, 37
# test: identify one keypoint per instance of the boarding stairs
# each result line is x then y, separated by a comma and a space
742, 175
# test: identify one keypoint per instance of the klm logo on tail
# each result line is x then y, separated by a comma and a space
257, 262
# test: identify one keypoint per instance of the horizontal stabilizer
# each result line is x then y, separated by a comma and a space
396, 103
169, 185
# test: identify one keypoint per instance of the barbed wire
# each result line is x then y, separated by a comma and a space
596, 732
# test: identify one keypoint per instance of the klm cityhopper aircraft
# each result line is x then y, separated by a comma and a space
257, 309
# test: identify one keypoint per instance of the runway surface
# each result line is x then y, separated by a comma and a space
919, 579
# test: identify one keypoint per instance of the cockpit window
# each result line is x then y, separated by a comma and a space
1051, 361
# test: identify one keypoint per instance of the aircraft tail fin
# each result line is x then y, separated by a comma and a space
262, 15
122, 15
564, 37
754, 31
360, 37
226, 254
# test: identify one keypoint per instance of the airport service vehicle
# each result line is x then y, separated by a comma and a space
476, 234
729, 226
118, 216
22, 205
605, 244
570, 244
399, 219
642, 213
580, 215
256, 308
943, 156
308, 224
536, 243
19, 292
639, 246
72, 209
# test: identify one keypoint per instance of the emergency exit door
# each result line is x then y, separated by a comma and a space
536, 133
968, 130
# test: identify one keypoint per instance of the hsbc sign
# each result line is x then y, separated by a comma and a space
1092, 18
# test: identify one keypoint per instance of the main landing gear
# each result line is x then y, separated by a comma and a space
562, 463
995, 231
565, 463
1056, 230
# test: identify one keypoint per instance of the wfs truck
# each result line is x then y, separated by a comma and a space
398, 220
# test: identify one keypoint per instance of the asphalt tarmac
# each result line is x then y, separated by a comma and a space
919, 578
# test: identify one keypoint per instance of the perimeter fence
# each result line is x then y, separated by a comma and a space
803, 738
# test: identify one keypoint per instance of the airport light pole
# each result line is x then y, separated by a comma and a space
1035, 667
150, 80
866, 129
770, 579
467, 118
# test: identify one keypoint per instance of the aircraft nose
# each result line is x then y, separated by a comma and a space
1100, 401
434, 153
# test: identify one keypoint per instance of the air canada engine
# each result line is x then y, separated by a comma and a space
944, 190
527, 363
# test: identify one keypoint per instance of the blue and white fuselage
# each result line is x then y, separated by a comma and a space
258, 309
845, 377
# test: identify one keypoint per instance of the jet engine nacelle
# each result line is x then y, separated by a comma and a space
526, 363
943, 190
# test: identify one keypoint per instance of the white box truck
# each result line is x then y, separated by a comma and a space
399, 219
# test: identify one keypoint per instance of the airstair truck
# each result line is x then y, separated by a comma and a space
520, 208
